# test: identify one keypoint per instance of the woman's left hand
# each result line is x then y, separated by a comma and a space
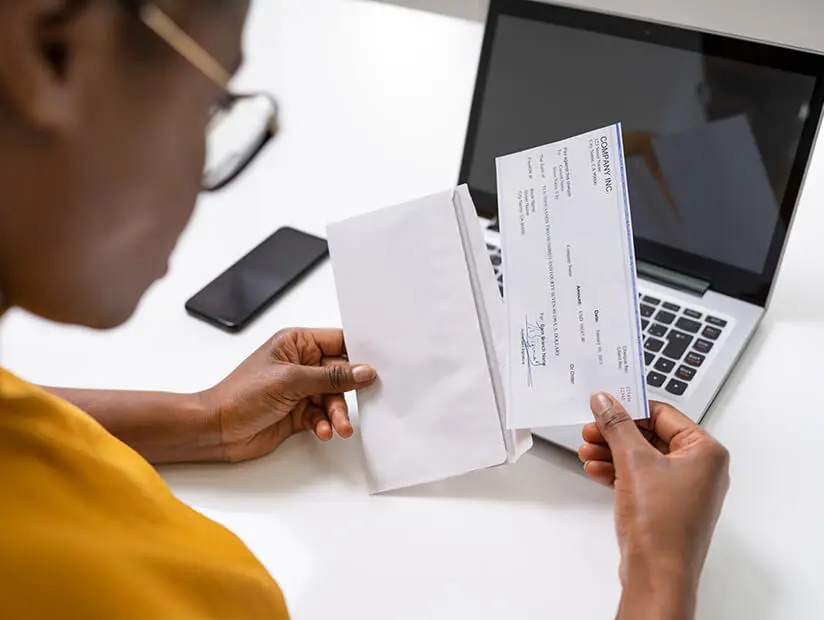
293, 383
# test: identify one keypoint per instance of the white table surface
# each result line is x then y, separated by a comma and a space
375, 100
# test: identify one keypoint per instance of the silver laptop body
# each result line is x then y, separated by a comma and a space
718, 134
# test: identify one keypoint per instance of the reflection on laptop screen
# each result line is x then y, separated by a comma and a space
710, 142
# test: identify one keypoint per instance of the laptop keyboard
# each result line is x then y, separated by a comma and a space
495, 257
677, 339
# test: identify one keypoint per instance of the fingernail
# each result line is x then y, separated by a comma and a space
586, 464
601, 403
363, 374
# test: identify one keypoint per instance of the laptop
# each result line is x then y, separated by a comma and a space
718, 133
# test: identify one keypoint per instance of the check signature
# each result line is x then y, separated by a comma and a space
533, 341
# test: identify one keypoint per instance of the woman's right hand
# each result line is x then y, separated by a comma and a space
670, 478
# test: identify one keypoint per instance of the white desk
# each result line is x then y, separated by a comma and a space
375, 100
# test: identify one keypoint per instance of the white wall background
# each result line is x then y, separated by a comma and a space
792, 22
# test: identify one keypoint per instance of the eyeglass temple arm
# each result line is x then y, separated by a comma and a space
162, 25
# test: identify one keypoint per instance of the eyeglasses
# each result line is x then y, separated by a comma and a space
240, 126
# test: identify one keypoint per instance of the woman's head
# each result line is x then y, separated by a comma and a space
101, 148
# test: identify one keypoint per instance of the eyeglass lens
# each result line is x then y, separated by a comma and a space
235, 135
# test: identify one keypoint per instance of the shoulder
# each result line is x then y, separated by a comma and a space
87, 525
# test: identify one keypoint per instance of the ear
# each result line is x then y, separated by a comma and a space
51, 50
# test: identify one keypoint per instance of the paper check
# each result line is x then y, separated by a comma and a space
569, 281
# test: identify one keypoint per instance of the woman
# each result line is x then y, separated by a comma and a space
97, 97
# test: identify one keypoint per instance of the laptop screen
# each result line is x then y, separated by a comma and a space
717, 131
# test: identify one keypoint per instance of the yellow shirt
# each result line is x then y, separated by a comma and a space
89, 530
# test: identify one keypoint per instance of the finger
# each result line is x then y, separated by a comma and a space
654, 440
335, 404
670, 424
305, 381
594, 452
600, 472
592, 434
338, 413
320, 399
328, 361
315, 420
329, 341
617, 427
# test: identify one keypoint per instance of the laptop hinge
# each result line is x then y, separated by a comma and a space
676, 280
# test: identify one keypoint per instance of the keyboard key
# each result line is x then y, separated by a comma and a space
694, 359
665, 317
496, 259
671, 307
653, 345
644, 323
651, 300
688, 325
676, 387
693, 314
659, 331
647, 311
685, 373
703, 346
491, 248
656, 379
711, 332
717, 322
678, 344
648, 357
664, 365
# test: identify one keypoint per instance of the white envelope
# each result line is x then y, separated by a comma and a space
419, 301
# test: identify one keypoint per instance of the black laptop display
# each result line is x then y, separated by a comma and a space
717, 132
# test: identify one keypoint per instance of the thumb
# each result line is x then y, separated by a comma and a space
616, 426
331, 379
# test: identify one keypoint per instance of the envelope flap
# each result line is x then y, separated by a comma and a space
491, 314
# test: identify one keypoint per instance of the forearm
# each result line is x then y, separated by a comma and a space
162, 427
658, 594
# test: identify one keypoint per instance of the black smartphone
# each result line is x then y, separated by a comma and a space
250, 286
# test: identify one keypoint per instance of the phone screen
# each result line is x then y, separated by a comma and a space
235, 297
